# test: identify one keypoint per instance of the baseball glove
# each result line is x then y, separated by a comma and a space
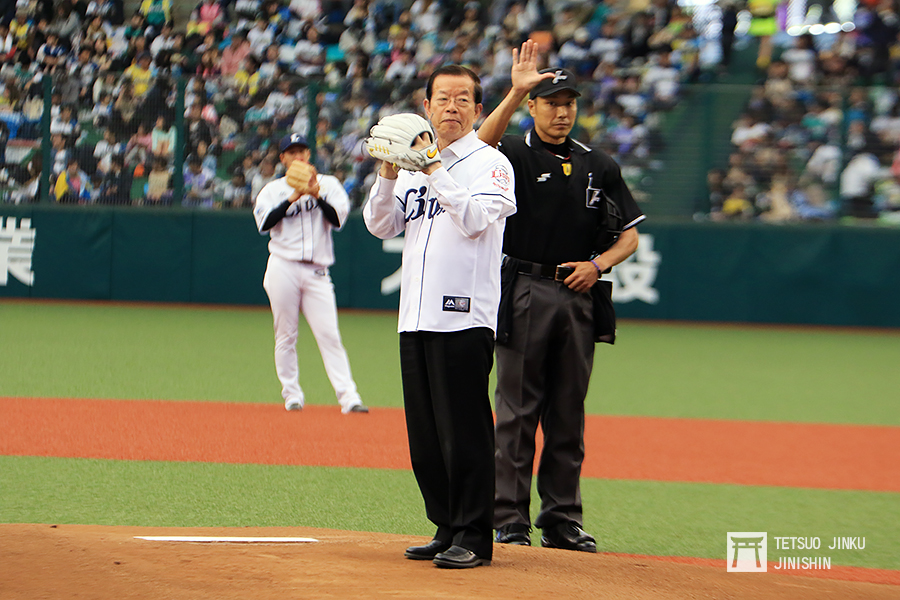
301, 176
392, 138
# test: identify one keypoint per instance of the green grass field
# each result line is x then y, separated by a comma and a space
655, 369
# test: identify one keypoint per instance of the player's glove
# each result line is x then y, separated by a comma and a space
301, 176
392, 138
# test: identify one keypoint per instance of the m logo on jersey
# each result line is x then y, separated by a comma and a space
456, 304
500, 177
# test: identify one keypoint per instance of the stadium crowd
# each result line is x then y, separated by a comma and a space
819, 138
249, 66
255, 69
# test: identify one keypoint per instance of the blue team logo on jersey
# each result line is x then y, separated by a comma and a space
417, 206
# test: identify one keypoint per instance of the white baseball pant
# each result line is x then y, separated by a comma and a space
294, 287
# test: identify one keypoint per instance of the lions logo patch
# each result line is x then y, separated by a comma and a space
500, 177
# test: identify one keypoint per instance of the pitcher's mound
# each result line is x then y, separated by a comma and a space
110, 563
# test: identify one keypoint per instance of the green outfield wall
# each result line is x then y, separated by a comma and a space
805, 274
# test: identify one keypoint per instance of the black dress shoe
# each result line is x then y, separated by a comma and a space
515, 534
568, 535
458, 557
428, 551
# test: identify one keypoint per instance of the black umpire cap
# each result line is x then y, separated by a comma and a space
562, 79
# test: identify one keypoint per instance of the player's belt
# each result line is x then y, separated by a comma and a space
554, 272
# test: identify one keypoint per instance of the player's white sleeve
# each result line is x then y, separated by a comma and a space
383, 213
332, 191
489, 197
263, 205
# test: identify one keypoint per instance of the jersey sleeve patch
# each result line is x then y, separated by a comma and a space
500, 178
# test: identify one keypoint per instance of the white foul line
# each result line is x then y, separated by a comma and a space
202, 538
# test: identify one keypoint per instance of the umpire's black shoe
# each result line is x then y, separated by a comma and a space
568, 535
515, 534
458, 557
428, 551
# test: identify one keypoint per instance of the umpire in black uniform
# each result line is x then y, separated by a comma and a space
576, 219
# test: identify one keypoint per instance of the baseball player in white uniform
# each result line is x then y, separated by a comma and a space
452, 210
299, 219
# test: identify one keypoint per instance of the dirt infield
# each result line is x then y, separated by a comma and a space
108, 563
692, 450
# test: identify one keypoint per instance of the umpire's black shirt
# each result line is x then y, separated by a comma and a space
561, 200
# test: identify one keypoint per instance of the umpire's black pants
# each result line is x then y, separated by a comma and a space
451, 431
542, 377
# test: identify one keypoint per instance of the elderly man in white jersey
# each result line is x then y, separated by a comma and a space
297, 280
453, 214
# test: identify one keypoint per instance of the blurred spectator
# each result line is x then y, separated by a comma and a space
158, 189
164, 41
737, 205
236, 191
66, 24
858, 181
607, 47
575, 53
404, 68
106, 149
234, 54
73, 185
66, 124
801, 60
60, 152
266, 174
207, 16
115, 184
29, 189
156, 13
309, 54
282, 104
199, 184
637, 36
777, 205
261, 36
138, 149
196, 128
109, 10
141, 74
246, 79
51, 53
162, 142
763, 26
729, 24
426, 16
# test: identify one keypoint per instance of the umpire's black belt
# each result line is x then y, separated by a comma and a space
554, 272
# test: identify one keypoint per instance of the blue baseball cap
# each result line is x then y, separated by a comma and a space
293, 139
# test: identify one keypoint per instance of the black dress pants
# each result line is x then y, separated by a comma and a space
543, 374
451, 431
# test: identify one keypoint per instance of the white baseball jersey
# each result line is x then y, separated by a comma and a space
454, 221
303, 234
